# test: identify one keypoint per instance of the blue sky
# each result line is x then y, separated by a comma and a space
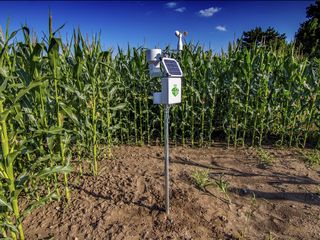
152, 23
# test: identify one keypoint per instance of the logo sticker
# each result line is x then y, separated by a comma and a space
175, 90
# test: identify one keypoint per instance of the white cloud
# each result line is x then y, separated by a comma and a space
209, 11
181, 9
221, 28
171, 4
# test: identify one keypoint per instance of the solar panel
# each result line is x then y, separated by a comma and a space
172, 67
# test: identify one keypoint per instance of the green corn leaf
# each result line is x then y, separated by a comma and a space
2, 172
4, 74
36, 52
26, 30
44, 159
112, 91
12, 156
70, 112
35, 204
57, 169
118, 107
4, 202
4, 115
58, 29
22, 179
26, 90
10, 226
54, 130
12, 35
3, 85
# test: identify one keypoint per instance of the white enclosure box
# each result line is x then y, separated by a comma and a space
171, 90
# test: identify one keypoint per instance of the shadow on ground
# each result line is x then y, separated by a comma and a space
273, 178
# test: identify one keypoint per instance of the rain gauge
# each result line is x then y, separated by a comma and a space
170, 72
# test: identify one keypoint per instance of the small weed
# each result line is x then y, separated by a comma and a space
253, 200
241, 235
201, 179
265, 157
311, 158
249, 214
269, 236
222, 184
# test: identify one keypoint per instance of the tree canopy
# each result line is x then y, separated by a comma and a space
308, 35
260, 37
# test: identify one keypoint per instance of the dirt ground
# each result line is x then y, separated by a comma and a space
126, 200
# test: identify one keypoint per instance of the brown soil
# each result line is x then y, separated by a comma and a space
126, 200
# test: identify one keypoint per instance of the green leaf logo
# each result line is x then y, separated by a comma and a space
175, 90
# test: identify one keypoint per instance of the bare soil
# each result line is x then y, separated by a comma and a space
126, 200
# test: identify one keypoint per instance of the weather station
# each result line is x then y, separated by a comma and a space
170, 72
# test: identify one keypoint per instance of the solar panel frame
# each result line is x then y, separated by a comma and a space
172, 67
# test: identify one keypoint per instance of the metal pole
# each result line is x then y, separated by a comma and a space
166, 156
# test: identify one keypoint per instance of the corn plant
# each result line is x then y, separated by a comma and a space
201, 179
21, 166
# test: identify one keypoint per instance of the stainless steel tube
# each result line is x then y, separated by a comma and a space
166, 157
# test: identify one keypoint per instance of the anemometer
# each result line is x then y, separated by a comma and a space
171, 75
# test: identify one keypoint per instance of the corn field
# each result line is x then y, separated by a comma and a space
59, 101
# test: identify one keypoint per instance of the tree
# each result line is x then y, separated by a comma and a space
260, 37
308, 35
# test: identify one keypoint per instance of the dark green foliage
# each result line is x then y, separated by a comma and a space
257, 36
308, 35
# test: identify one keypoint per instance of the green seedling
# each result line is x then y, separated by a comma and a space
265, 157
201, 179
249, 215
222, 184
270, 236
